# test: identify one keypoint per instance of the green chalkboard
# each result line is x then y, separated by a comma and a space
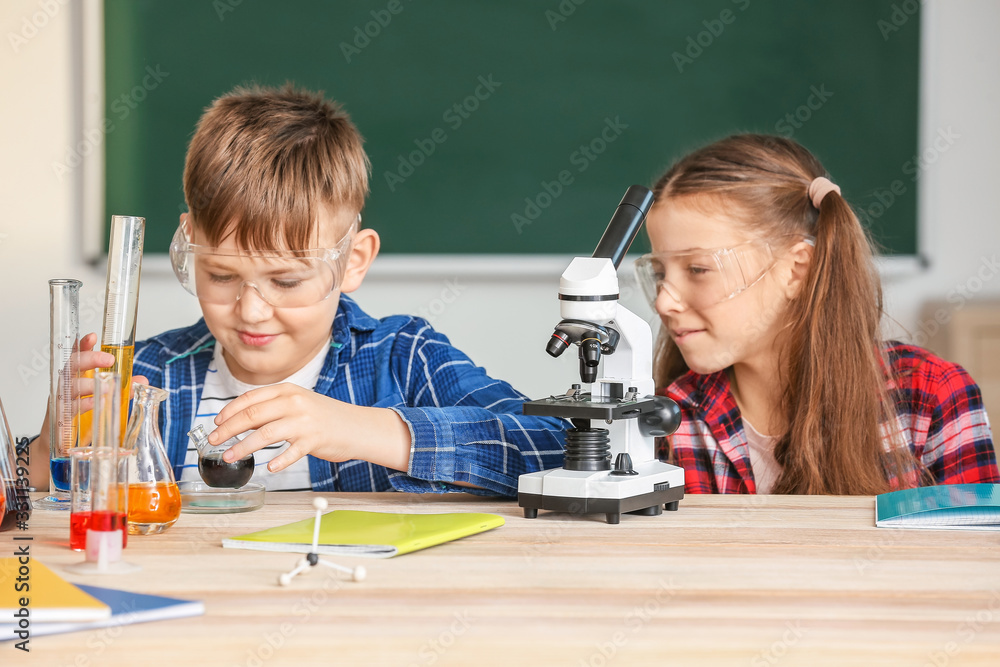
515, 126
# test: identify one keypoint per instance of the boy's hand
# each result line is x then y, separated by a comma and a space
312, 424
88, 359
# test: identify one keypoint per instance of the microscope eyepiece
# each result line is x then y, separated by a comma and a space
625, 224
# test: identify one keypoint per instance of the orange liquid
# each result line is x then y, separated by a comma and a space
152, 507
123, 355
83, 423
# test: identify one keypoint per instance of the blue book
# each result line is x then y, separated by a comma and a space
944, 507
126, 608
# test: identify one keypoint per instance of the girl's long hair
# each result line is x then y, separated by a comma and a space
842, 435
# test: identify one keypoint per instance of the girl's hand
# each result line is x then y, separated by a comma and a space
312, 424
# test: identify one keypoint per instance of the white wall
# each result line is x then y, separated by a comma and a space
501, 322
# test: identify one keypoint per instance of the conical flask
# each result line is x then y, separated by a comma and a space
154, 501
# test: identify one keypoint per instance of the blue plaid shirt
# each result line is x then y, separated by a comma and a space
466, 426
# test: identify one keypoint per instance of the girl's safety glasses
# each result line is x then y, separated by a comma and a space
703, 278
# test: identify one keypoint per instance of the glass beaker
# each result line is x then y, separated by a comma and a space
154, 501
81, 511
214, 470
97, 473
64, 344
13, 493
121, 301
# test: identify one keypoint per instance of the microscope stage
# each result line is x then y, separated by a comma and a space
584, 408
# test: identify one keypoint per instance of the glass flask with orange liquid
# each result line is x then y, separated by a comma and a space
121, 301
154, 501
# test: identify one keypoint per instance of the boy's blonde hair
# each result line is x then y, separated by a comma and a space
269, 159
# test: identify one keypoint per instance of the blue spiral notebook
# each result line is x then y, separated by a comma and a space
125, 608
944, 507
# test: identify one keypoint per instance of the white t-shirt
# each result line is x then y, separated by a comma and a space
221, 388
765, 468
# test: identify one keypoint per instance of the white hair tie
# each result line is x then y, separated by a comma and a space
820, 187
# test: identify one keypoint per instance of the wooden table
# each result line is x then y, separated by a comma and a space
726, 580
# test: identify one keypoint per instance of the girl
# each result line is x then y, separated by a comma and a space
771, 305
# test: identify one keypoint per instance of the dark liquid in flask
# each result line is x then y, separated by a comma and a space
219, 474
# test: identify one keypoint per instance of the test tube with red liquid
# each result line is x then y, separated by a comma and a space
104, 526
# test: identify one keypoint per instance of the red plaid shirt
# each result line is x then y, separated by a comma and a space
940, 411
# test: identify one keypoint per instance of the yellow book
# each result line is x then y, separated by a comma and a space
49, 597
371, 534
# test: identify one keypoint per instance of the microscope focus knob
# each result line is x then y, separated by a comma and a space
623, 465
663, 421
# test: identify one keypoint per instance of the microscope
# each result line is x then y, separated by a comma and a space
611, 470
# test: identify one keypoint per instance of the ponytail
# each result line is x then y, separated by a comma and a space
835, 399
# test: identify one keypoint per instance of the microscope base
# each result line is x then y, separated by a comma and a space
658, 486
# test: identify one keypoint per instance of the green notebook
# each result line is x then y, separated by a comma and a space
372, 534
945, 507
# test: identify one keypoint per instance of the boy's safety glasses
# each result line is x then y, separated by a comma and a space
703, 278
282, 278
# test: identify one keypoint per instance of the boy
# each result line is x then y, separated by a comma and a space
338, 401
